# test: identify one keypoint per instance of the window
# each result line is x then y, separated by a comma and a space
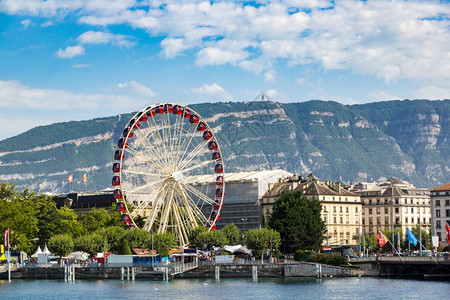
325, 219
356, 209
370, 211
378, 210
346, 209
386, 220
386, 210
342, 221
412, 210
447, 202
378, 221
340, 209
370, 221
438, 213
396, 210
334, 208
396, 201
438, 224
447, 213
406, 220
334, 220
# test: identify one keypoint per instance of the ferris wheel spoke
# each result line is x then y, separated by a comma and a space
156, 135
200, 147
196, 211
152, 150
140, 188
182, 232
199, 194
140, 173
197, 166
166, 210
156, 207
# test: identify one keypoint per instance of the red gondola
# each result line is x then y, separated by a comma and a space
127, 132
118, 155
116, 180
118, 194
201, 126
159, 109
219, 192
168, 108
218, 168
219, 180
116, 167
177, 110
212, 145
125, 219
142, 116
193, 119
207, 135
186, 113
122, 143
151, 112
134, 123
216, 156
120, 206
213, 227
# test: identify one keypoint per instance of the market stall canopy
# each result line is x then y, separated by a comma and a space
38, 251
46, 251
238, 249
79, 255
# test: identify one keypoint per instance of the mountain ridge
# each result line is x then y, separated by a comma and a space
408, 139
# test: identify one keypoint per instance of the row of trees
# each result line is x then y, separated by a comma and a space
294, 224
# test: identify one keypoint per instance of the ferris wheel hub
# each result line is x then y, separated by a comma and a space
178, 176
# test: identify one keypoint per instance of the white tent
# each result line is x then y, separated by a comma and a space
38, 251
80, 255
46, 251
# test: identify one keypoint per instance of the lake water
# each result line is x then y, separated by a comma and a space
265, 288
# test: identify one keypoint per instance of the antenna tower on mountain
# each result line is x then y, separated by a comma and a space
263, 96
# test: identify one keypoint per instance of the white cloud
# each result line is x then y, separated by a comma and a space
212, 89
270, 76
432, 92
70, 52
172, 47
382, 96
14, 95
137, 88
26, 23
47, 24
46, 106
80, 66
390, 40
99, 37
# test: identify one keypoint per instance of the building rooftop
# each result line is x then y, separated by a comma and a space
445, 187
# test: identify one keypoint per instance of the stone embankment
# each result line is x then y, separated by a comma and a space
299, 269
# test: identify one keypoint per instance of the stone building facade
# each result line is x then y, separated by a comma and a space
440, 211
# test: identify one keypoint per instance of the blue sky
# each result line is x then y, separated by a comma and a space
80, 59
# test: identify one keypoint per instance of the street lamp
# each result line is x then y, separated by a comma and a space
359, 229
244, 220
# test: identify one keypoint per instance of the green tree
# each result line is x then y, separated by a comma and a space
61, 244
114, 236
138, 238
124, 248
17, 214
212, 238
193, 236
95, 219
91, 243
261, 239
163, 242
298, 221
232, 233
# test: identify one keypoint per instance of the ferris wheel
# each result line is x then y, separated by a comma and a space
168, 170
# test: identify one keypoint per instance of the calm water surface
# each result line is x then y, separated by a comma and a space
286, 288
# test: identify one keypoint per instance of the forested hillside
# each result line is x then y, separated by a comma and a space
370, 142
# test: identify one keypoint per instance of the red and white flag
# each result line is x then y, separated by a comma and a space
381, 239
84, 177
70, 178
447, 232
7, 237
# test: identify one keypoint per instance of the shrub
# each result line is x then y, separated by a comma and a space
303, 255
329, 259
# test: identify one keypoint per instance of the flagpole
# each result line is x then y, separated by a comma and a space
9, 255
